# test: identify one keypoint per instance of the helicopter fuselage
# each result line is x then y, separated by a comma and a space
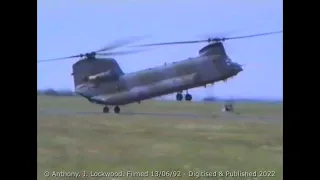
161, 80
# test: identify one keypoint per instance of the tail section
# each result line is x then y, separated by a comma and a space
91, 67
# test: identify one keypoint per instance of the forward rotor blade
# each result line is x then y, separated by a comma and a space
57, 59
207, 40
119, 53
170, 43
120, 43
253, 35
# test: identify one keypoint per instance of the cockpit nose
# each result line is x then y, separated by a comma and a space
236, 68
240, 67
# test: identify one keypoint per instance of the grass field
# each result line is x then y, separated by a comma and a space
143, 143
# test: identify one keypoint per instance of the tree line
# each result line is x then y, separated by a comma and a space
53, 92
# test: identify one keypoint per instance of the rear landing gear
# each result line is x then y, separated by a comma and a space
106, 109
116, 109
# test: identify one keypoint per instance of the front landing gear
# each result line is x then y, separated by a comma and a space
106, 109
188, 97
116, 109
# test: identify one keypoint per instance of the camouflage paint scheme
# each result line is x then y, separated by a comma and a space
210, 66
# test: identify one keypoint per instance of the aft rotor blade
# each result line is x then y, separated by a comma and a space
120, 43
57, 59
253, 35
113, 45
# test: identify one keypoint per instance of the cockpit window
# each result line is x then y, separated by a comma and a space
228, 61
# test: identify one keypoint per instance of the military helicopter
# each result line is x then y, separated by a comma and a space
102, 81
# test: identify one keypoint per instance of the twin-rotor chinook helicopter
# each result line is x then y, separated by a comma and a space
101, 80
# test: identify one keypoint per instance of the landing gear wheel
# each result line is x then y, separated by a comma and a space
188, 97
117, 109
105, 109
179, 97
